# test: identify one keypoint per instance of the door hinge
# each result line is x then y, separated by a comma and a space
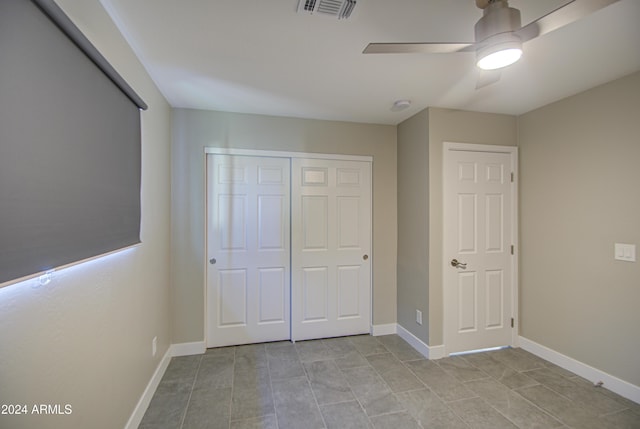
513, 250
512, 177
512, 322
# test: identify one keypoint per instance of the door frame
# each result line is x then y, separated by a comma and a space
447, 148
210, 150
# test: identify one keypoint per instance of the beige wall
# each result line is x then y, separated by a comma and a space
420, 141
458, 126
413, 224
579, 178
85, 338
194, 129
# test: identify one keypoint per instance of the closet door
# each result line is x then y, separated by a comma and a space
331, 248
248, 249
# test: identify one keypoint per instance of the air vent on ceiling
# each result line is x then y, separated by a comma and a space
340, 9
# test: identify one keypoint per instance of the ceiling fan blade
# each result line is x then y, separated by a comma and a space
487, 77
560, 17
417, 48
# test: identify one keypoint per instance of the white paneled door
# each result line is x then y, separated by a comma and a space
479, 232
331, 248
248, 249
288, 248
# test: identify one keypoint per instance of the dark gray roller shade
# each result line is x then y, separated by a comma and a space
69, 149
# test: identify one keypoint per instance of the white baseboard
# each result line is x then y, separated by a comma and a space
145, 399
621, 387
174, 350
388, 329
429, 352
188, 349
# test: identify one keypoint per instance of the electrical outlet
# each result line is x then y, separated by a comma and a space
154, 346
419, 317
625, 252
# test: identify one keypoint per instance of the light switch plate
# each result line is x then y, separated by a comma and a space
625, 252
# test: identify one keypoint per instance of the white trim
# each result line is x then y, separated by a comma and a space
472, 147
387, 329
286, 154
205, 250
515, 227
188, 349
174, 350
429, 352
610, 382
437, 352
149, 391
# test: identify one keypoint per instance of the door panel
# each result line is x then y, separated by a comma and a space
478, 232
348, 292
348, 209
271, 222
273, 308
315, 291
467, 223
494, 281
232, 297
494, 230
315, 222
232, 210
248, 285
468, 302
331, 234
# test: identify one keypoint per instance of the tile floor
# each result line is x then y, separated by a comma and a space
379, 383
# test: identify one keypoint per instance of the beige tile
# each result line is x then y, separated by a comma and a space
182, 368
215, 372
458, 367
264, 422
480, 415
295, 404
399, 347
513, 406
208, 409
371, 391
267, 386
394, 373
561, 408
368, 345
351, 359
516, 359
625, 419
250, 403
345, 415
395, 421
314, 350
429, 410
589, 397
435, 378
327, 382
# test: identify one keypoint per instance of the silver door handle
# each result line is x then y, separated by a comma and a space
212, 261
455, 263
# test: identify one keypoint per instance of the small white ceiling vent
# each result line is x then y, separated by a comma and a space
340, 9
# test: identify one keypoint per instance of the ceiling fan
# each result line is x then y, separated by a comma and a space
499, 34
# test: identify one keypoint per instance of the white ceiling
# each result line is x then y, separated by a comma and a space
261, 56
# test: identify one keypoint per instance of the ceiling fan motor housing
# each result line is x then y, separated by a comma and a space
497, 43
497, 18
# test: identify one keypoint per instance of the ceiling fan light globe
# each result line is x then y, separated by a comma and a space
499, 59
499, 50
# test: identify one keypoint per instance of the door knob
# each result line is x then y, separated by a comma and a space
212, 261
365, 257
455, 263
